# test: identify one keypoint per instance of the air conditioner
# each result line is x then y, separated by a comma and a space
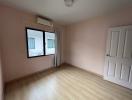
43, 21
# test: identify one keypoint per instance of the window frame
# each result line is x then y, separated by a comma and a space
44, 49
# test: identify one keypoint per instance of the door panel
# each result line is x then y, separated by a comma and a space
118, 60
128, 44
108, 46
125, 72
121, 44
114, 43
118, 70
111, 70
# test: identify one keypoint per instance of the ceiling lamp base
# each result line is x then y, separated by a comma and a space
69, 3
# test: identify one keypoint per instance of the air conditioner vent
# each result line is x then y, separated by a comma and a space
43, 21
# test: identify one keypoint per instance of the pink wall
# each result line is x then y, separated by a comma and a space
1, 80
85, 41
14, 54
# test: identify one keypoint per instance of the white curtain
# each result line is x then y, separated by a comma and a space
57, 59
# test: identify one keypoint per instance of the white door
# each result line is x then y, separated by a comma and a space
118, 59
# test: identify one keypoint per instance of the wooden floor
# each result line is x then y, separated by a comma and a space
66, 83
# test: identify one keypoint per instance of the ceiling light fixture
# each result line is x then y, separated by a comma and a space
69, 3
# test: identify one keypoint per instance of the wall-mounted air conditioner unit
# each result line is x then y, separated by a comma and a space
43, 21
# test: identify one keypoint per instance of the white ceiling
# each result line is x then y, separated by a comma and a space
57, 11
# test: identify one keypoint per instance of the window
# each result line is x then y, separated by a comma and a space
35, 42
39, 43
31, 43
51, 43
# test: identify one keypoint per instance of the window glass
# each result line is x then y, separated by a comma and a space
31, 43
35, 42
50, 43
